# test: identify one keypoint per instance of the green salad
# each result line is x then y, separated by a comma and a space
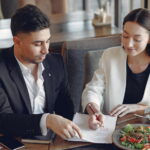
135, 137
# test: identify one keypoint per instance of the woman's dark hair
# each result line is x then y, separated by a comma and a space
142, 17
28, 19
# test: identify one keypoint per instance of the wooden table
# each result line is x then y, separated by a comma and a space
60, 144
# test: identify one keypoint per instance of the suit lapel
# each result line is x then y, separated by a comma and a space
17, 76
146, 97
117, 78
48, 86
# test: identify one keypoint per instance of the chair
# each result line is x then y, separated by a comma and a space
91, 64
75, 53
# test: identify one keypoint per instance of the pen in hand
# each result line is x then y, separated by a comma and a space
96, 115
97, 118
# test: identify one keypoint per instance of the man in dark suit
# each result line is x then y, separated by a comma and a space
33, 83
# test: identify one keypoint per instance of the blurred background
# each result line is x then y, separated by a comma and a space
74, 19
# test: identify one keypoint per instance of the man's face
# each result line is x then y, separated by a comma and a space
32, 48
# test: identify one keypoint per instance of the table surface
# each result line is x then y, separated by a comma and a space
60, 144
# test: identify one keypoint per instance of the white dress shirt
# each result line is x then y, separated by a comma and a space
36, 92
35, 88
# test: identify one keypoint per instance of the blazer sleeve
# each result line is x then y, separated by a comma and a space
17, 124
4, 103
20, 124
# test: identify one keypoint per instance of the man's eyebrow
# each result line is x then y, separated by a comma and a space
38, 41
125, 31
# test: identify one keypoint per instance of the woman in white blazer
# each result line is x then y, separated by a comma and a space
121, 84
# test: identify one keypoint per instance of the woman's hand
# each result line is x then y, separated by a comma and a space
122, 110
95, 121
95, 116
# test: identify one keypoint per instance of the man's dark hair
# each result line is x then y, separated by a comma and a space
28, 19
142, 17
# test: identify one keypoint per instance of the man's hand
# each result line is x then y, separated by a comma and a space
122, 110
63, 127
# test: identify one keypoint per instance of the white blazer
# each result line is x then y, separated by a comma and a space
107, 87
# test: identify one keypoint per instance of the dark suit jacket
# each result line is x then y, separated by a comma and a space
14, 97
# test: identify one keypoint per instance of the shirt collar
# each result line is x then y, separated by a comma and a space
25, 70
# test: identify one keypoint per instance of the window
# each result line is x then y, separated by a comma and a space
123, 7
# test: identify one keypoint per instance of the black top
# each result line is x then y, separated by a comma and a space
135, 85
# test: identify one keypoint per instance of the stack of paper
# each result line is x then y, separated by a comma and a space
101, 135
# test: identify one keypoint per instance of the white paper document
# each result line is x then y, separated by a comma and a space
101, 135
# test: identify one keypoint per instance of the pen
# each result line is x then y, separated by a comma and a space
97, 118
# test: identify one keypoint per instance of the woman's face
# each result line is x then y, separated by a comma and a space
134, 38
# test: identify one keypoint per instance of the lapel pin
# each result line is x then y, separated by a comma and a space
49, 75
